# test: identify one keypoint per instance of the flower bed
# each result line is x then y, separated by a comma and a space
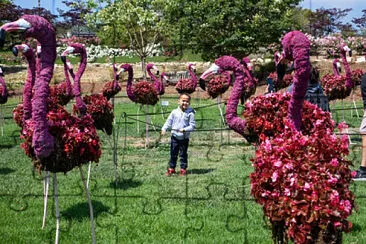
217, 85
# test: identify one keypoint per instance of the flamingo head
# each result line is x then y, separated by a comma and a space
344, 49
74, 48
23, 49
247, 63
164, 77
192, 67
151, 66
124, 68
221, 64
21, 25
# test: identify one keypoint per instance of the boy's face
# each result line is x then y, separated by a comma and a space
184, 102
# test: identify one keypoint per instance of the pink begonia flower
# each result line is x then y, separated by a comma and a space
274, 176
287, 192
332, 180
337, 224
342, 126
346, 206
334, 162
278, 164
307, 186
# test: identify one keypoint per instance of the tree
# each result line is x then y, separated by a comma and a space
236, 27
74, 16
9, 12
136, 22
326, 21
361, 22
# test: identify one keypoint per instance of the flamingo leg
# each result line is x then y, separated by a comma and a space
46, 184
91, 212
1, 120
55, 192
220, 109
147, 120
88, 178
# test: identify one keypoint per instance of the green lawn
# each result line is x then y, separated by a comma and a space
136, 203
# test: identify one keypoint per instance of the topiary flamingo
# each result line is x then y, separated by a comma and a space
58, 95
250, 81
187, 85
111, 88
158, 84
96, 104
143, 92
291, 156
3, 89
55, 140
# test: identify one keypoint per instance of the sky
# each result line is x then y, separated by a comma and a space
356, 5
47, 4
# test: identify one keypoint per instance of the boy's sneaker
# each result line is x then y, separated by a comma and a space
360, 176
183, 172
170, 171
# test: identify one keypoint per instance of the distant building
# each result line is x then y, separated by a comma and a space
82, 31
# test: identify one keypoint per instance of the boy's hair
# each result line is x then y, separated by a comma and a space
185, 94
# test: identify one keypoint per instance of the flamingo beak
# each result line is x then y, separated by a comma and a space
69, 65
63, 59
1, 72
214, 69
250, 66
15, 51
68, 51
20, 25
38, 51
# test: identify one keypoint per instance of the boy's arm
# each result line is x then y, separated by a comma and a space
167, 124
192, 123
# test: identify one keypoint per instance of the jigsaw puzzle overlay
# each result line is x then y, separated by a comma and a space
133, 201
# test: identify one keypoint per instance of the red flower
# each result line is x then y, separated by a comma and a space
335, 86
145, 93
76, 141
109, 90
265, 114
295, 181
286, 81
100, 110
217, 85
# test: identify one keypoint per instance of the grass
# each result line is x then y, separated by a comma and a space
211, 205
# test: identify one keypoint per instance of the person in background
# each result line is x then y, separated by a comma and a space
360, 174
314, 92
181, 121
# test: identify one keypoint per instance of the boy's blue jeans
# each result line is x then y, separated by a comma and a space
178, 147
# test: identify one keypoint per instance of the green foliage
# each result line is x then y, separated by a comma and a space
215, 28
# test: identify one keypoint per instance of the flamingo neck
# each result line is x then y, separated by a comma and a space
129, 91
28, 87
347, 68
115, 81
77, 87
193, 76
301, 57
5, 91
234, 122
68, 82
155, 80
335, 68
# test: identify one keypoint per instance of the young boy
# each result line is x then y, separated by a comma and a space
181, 122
